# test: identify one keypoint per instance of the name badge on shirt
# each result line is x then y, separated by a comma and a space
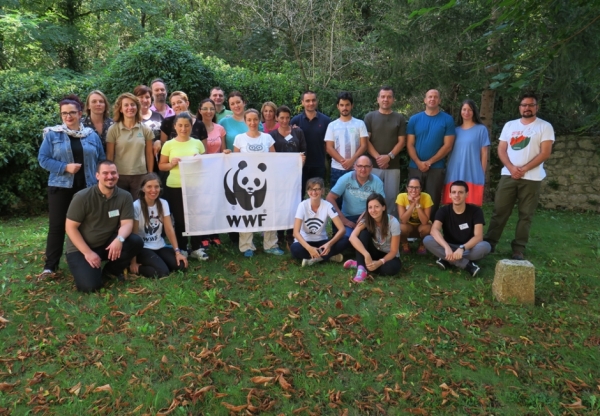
289, 137
113, 213
463, 226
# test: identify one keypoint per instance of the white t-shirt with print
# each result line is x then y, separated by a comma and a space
151, 233
314, 224
525, 143
248, 144
345, 136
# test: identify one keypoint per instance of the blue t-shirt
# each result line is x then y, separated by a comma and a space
233, 128
429, 132
354, 195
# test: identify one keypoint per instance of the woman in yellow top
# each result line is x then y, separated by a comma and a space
172, 152
414, 210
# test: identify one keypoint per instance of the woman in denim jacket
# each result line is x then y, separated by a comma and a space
70, 152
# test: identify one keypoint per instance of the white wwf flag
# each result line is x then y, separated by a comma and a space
241, 192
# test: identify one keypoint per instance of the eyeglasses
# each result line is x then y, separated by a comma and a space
527, 105
207, 109
69, 113
413, 188
364, 166
315, 190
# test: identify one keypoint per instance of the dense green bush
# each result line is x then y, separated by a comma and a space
28, 103
163, 58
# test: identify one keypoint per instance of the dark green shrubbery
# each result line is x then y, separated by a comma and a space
28, 103
152, 58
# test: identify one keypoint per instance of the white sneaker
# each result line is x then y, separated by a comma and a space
199, 254
338, 258
310, 262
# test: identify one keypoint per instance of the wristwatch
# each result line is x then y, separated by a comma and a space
121, 239
391, 155
462, 247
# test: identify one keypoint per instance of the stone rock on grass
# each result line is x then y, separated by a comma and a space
514, 282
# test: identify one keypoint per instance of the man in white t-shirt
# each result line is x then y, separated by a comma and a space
345, 139
525, 144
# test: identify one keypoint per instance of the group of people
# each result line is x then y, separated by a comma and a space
107, 175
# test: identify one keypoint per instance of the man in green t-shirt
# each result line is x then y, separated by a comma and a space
99, 227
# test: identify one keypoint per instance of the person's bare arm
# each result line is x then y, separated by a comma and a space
330, 149
72, 230
348, 163
110, 151
503, 156
412, 152
170, 232
115, 247
484, 157
444, 150
149, 156
436, 233
545, 152
331, 198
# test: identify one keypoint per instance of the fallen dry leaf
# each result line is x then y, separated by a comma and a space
261, 380
234, 408
106, 387
7, 386
75, 389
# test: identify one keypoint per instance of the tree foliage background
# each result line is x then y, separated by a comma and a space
489, 50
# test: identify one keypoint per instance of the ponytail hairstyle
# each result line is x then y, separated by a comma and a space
142, 197
370, 221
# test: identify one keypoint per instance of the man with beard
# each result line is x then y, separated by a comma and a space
346, 139
462, 240
99, 227
218, 96
525, 144
159, 93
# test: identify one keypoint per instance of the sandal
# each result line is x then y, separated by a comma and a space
405, 248
422, 250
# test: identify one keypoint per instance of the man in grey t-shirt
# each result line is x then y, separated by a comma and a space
387, 137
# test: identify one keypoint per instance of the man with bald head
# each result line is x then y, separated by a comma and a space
354, 188
430, 137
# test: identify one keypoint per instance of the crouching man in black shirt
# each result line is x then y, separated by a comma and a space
462, 240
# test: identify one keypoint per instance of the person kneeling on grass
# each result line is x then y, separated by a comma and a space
151, 215
462, 241
376, 239
414, 211
312, 244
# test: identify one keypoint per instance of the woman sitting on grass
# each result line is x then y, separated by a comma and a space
151, 215
312, 244
376, 239
414, 211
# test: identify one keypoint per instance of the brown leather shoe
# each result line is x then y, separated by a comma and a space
517, 255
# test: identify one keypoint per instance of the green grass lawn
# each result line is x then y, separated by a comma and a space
263, 335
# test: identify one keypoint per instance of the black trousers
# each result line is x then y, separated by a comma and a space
390, 268
158, 263
88, 278
59, 200
174, 197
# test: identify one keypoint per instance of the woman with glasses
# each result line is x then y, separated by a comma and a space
215, 141
414, 211
70, 152
469, 156
310, 228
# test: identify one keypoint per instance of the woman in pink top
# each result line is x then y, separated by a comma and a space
268, 117
215, 143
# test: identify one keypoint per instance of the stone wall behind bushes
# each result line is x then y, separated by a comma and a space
573, 175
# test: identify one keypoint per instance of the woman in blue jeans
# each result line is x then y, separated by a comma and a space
70, 152
151, 217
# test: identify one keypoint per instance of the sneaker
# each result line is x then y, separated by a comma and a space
310, 262
361, 275
443, 264
517, 255
199, 254
338, 258
472, 268
405, 248
275, 250
422, 250
46, 274
350, 264
248, 253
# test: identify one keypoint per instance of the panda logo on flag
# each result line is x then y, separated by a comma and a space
248, 187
